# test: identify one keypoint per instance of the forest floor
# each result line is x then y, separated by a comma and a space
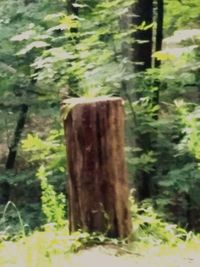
103, 256
154, 257
43, 249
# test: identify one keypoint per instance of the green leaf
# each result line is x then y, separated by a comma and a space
163, 56
41, 173
23, 36
54, 16
36, 44
32, 142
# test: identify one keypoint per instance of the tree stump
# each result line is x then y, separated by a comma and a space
98, 188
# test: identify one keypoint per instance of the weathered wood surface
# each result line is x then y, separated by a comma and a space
98, 190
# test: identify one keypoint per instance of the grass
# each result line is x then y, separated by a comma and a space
40, 249
156, 243
56, 248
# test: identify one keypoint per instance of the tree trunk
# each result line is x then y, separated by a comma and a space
142, 60
10, 163
143, 10
98, 190
159, 29
157, 83
17, 135
73, 80
158, 47
71, 8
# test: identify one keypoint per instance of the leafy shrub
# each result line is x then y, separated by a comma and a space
14, 230
53, 205
150, 228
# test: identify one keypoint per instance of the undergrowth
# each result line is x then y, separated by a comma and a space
150, 227
53, 245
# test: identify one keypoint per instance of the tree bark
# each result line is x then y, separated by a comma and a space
159, 29
98, 189
17, 135
10, 162
158, 47
142, 60
143, 10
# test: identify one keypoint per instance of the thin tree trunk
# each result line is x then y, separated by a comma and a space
159, 29
142, 60
98, 190
10, 163
73, 81
156, 82
72, 8
143, 10
158, 47
17, 136
189, 212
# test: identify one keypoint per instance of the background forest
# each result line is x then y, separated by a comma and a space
146, 53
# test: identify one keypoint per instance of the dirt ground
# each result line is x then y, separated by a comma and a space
103, 257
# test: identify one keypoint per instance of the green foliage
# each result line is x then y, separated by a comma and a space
24, 194
59, 51
45, 50
53, 205
6, 233
150, 228
181, 15
190, 144
170, 127
74, 55
143, 161
190, 120
49, 150
55, 246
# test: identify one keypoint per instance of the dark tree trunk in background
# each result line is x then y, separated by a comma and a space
142, 60
10, 163
159, 29
27, 2
71, 8
190, 223
73, 80
17, 136
157, 84
143, 9
98, 190
158, 47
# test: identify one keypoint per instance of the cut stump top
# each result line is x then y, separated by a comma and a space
88, 100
